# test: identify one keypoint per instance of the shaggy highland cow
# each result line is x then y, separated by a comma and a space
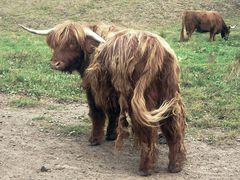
131, 73
203, 21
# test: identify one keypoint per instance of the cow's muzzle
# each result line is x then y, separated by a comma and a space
57, 65
225, 38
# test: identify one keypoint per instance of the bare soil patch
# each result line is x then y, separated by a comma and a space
30, 149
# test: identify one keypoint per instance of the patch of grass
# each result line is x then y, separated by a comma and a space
74, 130
77, 129
52, 107
210, 80
38, 118
25, 102
25, 69
214, 136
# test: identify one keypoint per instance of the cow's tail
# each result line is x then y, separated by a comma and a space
183, 35
138, 103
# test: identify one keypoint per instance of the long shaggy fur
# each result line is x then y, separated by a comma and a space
121, 59
133, 73
70, 32
140, 71
65, 34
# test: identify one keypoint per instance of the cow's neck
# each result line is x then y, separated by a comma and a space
224, 26
89, 49
82, 63
224, 29
85, 61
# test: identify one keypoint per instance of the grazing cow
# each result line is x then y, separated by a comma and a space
203, 21
131, 73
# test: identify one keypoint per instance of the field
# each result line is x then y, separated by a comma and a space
37, 102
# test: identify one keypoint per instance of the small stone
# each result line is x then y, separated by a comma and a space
79, 156
238, 139
44, 169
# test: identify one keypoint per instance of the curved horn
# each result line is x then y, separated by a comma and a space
233, 27
34, 31
94, 35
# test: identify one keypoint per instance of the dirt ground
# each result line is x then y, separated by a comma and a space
28, 151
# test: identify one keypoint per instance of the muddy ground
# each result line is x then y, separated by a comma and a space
32, 148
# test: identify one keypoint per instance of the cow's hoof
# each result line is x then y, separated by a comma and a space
111, 137
94, 142
174, 167
145, 173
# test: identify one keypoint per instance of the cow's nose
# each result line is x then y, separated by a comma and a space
56, 64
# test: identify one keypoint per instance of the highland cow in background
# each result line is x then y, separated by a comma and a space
203, 21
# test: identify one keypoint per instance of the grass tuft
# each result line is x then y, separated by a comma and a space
73, 130
25, 102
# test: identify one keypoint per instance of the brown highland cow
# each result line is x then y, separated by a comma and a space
131, 73
203, 21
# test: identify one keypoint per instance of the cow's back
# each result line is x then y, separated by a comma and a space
128, 60
105, 31
203, 21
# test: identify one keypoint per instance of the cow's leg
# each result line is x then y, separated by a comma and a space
173, 129
146, 140
122, 128
97, 116
113, 115
214, 39
190, 33
190, 30
183, 34
212, 35
149, 152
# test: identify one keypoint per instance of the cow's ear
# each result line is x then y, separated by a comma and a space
90, 44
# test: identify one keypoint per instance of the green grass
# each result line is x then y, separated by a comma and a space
77, 129
38, 118
25, 69
24, 102
210, 78
74, 130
